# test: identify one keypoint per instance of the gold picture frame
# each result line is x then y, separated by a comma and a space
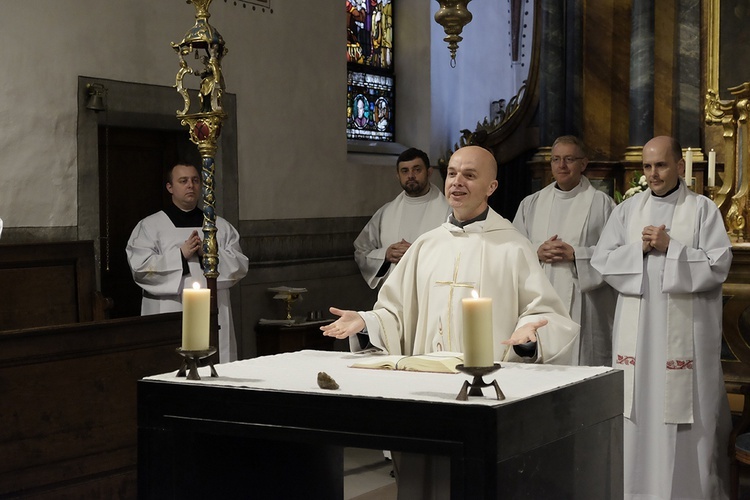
726, 21
712, 22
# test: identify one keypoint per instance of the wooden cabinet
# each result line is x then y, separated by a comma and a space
274, 339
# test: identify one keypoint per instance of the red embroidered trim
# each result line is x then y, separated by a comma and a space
625, 360
680, 364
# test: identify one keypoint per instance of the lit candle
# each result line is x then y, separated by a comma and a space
196, 311
477, 333
689, 167
712, 168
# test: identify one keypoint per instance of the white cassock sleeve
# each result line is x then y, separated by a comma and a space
156, 264
522, 220
588, 277
692, 270
620, 262
233, 264
369, 253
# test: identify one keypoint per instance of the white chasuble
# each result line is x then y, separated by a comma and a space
577, 217
677, 416
404, 218
155, 260
419, 306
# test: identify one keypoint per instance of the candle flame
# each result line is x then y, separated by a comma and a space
196, 285
474, 294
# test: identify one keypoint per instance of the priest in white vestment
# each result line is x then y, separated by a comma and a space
563, 222
165, 249
419, 208
419, 305
667, 253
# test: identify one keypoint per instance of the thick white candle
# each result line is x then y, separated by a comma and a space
689, 167
196, 313
477, 333
712, 168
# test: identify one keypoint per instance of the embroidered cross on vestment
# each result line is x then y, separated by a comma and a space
453, 285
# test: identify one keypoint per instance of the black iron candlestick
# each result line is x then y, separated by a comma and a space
475, 387
190, 363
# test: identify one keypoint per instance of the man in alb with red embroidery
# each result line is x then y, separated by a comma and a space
666, 252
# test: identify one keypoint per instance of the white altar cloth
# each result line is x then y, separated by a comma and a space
298, 372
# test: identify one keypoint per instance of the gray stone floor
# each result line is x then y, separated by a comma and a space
367, 475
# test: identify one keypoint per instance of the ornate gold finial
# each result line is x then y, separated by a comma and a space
208, 45
453, 16
204, 125
201, 8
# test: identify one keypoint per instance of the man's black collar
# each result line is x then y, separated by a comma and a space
668, 192
461, 224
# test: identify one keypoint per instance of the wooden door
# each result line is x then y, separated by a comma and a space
132, 177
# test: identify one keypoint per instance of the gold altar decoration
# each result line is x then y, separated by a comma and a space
204, 125
207, 44
732, 196
453, 16
288, 295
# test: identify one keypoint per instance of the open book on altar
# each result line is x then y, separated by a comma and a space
437, 362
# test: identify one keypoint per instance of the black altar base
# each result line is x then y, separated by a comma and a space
204, 441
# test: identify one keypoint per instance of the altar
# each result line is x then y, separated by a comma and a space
264, 429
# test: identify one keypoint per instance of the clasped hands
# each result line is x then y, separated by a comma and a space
350, 323
193, 245
655, 237
394, 252
555, 250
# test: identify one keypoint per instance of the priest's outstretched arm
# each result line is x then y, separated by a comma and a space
349, 323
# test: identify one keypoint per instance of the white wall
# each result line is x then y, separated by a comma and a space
461, 96
287, 69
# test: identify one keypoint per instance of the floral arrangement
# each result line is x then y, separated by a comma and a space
636, 186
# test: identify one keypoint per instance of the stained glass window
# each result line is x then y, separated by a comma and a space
369, 54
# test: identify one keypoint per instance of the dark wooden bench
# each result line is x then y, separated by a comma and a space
68, 425
68, 377
46, 284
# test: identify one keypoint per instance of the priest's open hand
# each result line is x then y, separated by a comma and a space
526, 333
348, 324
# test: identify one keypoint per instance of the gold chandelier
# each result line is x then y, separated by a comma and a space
453, 16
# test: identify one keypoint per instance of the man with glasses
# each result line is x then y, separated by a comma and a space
563, 222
